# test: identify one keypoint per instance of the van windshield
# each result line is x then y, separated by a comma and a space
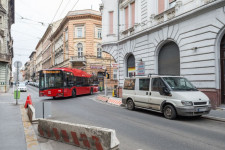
179, 84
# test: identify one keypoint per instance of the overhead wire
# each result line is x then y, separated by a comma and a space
57, 11
74, 5
64, 8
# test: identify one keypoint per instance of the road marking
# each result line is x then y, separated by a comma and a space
31, 139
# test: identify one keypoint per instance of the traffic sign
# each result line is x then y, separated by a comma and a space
17, 64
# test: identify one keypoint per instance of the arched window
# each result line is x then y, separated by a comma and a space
169, 59
80, 50
99, 51
131, 66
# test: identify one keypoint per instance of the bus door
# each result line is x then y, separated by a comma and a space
68, 84
80, 85
86, 85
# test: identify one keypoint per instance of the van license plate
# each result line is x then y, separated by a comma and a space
202, 109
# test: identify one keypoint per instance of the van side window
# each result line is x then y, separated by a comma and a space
144, 84
157, 84
129, 84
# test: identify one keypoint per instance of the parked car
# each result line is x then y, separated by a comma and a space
170, 95
22, 87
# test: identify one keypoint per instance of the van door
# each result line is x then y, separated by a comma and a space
157, 97
142, 97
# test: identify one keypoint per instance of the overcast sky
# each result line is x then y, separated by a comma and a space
26, 31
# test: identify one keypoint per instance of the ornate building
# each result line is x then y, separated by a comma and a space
184, 37
6, 43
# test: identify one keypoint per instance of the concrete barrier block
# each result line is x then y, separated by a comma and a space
31, 113
84, 136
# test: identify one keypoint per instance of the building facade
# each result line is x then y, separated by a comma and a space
184, 37
33, 66
77, 44
27, 71
6, 43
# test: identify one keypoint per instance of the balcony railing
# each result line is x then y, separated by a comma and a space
77, 59
5, 57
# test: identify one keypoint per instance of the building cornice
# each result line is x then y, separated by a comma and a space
75, 17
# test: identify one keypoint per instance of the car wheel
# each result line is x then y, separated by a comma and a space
169, 112
130, 104
74, 94
91, 92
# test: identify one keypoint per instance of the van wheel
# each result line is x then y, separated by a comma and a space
169, 112
74, 94
130, 104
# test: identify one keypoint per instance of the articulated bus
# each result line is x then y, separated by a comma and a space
65, 82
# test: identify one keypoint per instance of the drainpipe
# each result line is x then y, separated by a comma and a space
118, 34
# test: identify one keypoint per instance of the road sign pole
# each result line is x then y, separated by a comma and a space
17, 65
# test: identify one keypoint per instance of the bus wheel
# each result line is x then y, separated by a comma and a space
54, 97
91, 92
74, 94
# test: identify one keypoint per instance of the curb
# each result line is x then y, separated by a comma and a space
109, 100
31, 139
214, 118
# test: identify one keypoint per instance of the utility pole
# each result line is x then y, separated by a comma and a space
106, 92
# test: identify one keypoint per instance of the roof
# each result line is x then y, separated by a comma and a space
76, 72
34, 52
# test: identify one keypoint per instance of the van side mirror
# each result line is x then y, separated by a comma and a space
166, 91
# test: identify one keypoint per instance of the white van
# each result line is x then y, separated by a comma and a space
170, 95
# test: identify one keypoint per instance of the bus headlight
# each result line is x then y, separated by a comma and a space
187, 103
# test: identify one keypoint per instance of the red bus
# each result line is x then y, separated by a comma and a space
65, 82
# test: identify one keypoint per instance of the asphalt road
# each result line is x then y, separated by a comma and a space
139, 129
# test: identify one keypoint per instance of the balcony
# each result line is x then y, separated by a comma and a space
5, 58
78, 59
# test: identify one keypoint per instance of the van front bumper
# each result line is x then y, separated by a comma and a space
193, 110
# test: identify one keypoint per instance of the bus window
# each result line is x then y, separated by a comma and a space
68, 79
79, 81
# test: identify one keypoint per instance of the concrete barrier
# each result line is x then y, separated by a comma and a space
31, 113
89, 137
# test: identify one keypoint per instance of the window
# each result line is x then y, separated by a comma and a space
80, 49
144, 84
99, 33
79, 32
172, 3
99, 51
111, 22
66, 34
129, 84
114, 74
157, 84
68, 79
132, 14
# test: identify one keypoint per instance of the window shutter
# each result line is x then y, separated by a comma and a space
133, 13
161, 6
126, 18
111, 22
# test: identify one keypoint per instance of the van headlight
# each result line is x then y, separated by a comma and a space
187, 103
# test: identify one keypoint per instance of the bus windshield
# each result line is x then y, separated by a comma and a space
51, 79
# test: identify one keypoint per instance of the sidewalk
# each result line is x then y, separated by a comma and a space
218, 114
11, 127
